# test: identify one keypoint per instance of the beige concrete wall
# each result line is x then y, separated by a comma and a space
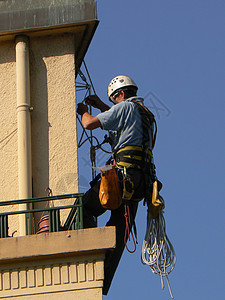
53, 120
8, 128
54, 144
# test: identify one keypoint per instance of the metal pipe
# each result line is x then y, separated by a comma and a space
24, 124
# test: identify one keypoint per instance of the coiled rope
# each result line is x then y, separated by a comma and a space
157, 250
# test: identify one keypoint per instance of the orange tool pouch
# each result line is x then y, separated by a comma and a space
109, 192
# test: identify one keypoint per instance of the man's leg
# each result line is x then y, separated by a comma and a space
118, 219
113, 257
92, 207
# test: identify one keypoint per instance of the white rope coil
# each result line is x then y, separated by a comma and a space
157, 250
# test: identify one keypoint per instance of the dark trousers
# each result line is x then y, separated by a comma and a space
92, 209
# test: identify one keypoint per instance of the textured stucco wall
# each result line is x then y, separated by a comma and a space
53, 120
8, 128
54, 145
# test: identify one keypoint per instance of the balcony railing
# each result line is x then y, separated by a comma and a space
73, 221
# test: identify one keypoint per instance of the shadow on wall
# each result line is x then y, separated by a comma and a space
43, 55
40, 124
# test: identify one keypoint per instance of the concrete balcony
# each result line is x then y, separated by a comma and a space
58, 265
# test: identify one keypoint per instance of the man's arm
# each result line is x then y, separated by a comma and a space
88, 121
96, 102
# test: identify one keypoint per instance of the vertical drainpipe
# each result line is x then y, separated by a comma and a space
24, 125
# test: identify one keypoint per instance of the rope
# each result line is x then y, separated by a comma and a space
89, 77
157, 250
90, 138
128, 228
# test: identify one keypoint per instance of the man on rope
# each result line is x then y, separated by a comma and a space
135, 130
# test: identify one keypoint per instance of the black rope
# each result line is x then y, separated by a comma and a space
89, 77
88, 87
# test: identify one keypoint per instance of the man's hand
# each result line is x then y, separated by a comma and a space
81, 109
88, 121
96, 102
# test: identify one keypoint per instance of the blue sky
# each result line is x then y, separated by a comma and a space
174, 51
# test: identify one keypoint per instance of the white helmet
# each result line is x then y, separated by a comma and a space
119, 82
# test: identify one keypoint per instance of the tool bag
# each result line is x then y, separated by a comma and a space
109, 192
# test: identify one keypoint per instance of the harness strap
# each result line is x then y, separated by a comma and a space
137, 155
134, 150
133, 161
133, 157
144, 112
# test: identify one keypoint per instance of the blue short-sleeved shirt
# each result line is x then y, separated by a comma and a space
124, 119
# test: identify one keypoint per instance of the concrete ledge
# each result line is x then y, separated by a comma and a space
21, 15
59, 265
37, 18
65, 243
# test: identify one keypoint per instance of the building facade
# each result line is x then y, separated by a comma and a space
42, 45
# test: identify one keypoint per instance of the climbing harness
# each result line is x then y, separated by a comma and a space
137, 157
133, 157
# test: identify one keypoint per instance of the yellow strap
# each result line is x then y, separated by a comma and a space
136, 157
125, 164
137, 148
133, 156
